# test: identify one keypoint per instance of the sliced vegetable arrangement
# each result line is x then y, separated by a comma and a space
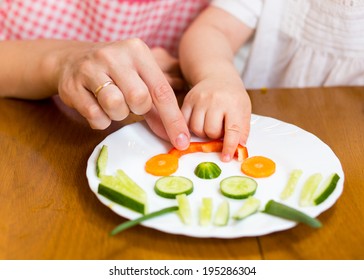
121, 189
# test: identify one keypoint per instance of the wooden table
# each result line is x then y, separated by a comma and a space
47, 210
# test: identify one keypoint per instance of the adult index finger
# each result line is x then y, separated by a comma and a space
166, 104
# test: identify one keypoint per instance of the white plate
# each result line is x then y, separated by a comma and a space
289, 146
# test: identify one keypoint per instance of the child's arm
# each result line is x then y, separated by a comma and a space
218, 104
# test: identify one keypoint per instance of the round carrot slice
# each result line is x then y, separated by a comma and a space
258, 167
162, 165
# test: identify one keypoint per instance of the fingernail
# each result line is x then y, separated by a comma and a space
226, 157
182, 141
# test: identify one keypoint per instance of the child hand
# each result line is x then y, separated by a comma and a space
216, 108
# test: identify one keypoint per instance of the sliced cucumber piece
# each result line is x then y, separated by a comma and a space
326, 189
171, 186
124, 191
221, 217
207, 170
143, 218
286, 212
291, 184
309, 189
101, 161
250, 206
238, 187
184, 208
206, 211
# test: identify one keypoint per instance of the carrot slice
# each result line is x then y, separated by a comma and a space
162, 165
258, 167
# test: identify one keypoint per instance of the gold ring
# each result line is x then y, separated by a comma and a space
99, 88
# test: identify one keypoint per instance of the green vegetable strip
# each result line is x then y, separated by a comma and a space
291, 184
283, 211
137, 221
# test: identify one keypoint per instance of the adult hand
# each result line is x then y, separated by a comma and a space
138, 86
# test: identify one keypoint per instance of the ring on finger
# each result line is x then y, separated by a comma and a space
104, 85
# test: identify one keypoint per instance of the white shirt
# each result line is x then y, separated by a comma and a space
301, 43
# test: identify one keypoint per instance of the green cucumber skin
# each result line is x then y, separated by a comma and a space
102, 161
328, 190
121, 199
243, 196
171, 195
207, 170
281, 210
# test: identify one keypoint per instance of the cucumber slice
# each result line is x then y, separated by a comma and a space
185, 212
206, 211
171, 186
101, 161
291, 184
326, 189
309, 189
143, 218
221, 217
250, 206
286, 212
207, 170
238, 187
124, 191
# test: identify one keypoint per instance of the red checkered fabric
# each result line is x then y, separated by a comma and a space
157, 22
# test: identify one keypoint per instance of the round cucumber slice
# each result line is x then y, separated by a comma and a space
238, 187
171, 186
207, 170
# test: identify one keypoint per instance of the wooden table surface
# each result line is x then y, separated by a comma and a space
47, 210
